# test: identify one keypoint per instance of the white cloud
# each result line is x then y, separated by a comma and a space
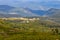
43, 8
28, 3
12, 13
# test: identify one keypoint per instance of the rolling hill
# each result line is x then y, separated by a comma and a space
54, 14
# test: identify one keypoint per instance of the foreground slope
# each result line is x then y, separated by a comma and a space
34, 30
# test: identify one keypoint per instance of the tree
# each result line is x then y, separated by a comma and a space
56, 31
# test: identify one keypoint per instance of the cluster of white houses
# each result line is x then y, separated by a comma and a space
21, 18
24, 20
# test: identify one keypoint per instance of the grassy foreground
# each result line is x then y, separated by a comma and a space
12, 30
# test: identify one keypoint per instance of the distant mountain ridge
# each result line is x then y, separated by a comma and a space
38, 12
5, 9
10, 11
54, 14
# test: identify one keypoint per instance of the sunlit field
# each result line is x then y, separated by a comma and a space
33, 30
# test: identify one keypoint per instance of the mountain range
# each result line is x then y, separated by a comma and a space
9, 11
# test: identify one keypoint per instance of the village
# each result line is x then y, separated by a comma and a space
22, 19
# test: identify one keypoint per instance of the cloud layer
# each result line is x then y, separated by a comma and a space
32, 3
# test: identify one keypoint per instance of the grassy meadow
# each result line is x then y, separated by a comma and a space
34, 30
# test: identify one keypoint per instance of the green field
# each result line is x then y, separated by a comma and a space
34, 30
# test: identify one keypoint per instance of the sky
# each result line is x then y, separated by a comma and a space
35, 4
